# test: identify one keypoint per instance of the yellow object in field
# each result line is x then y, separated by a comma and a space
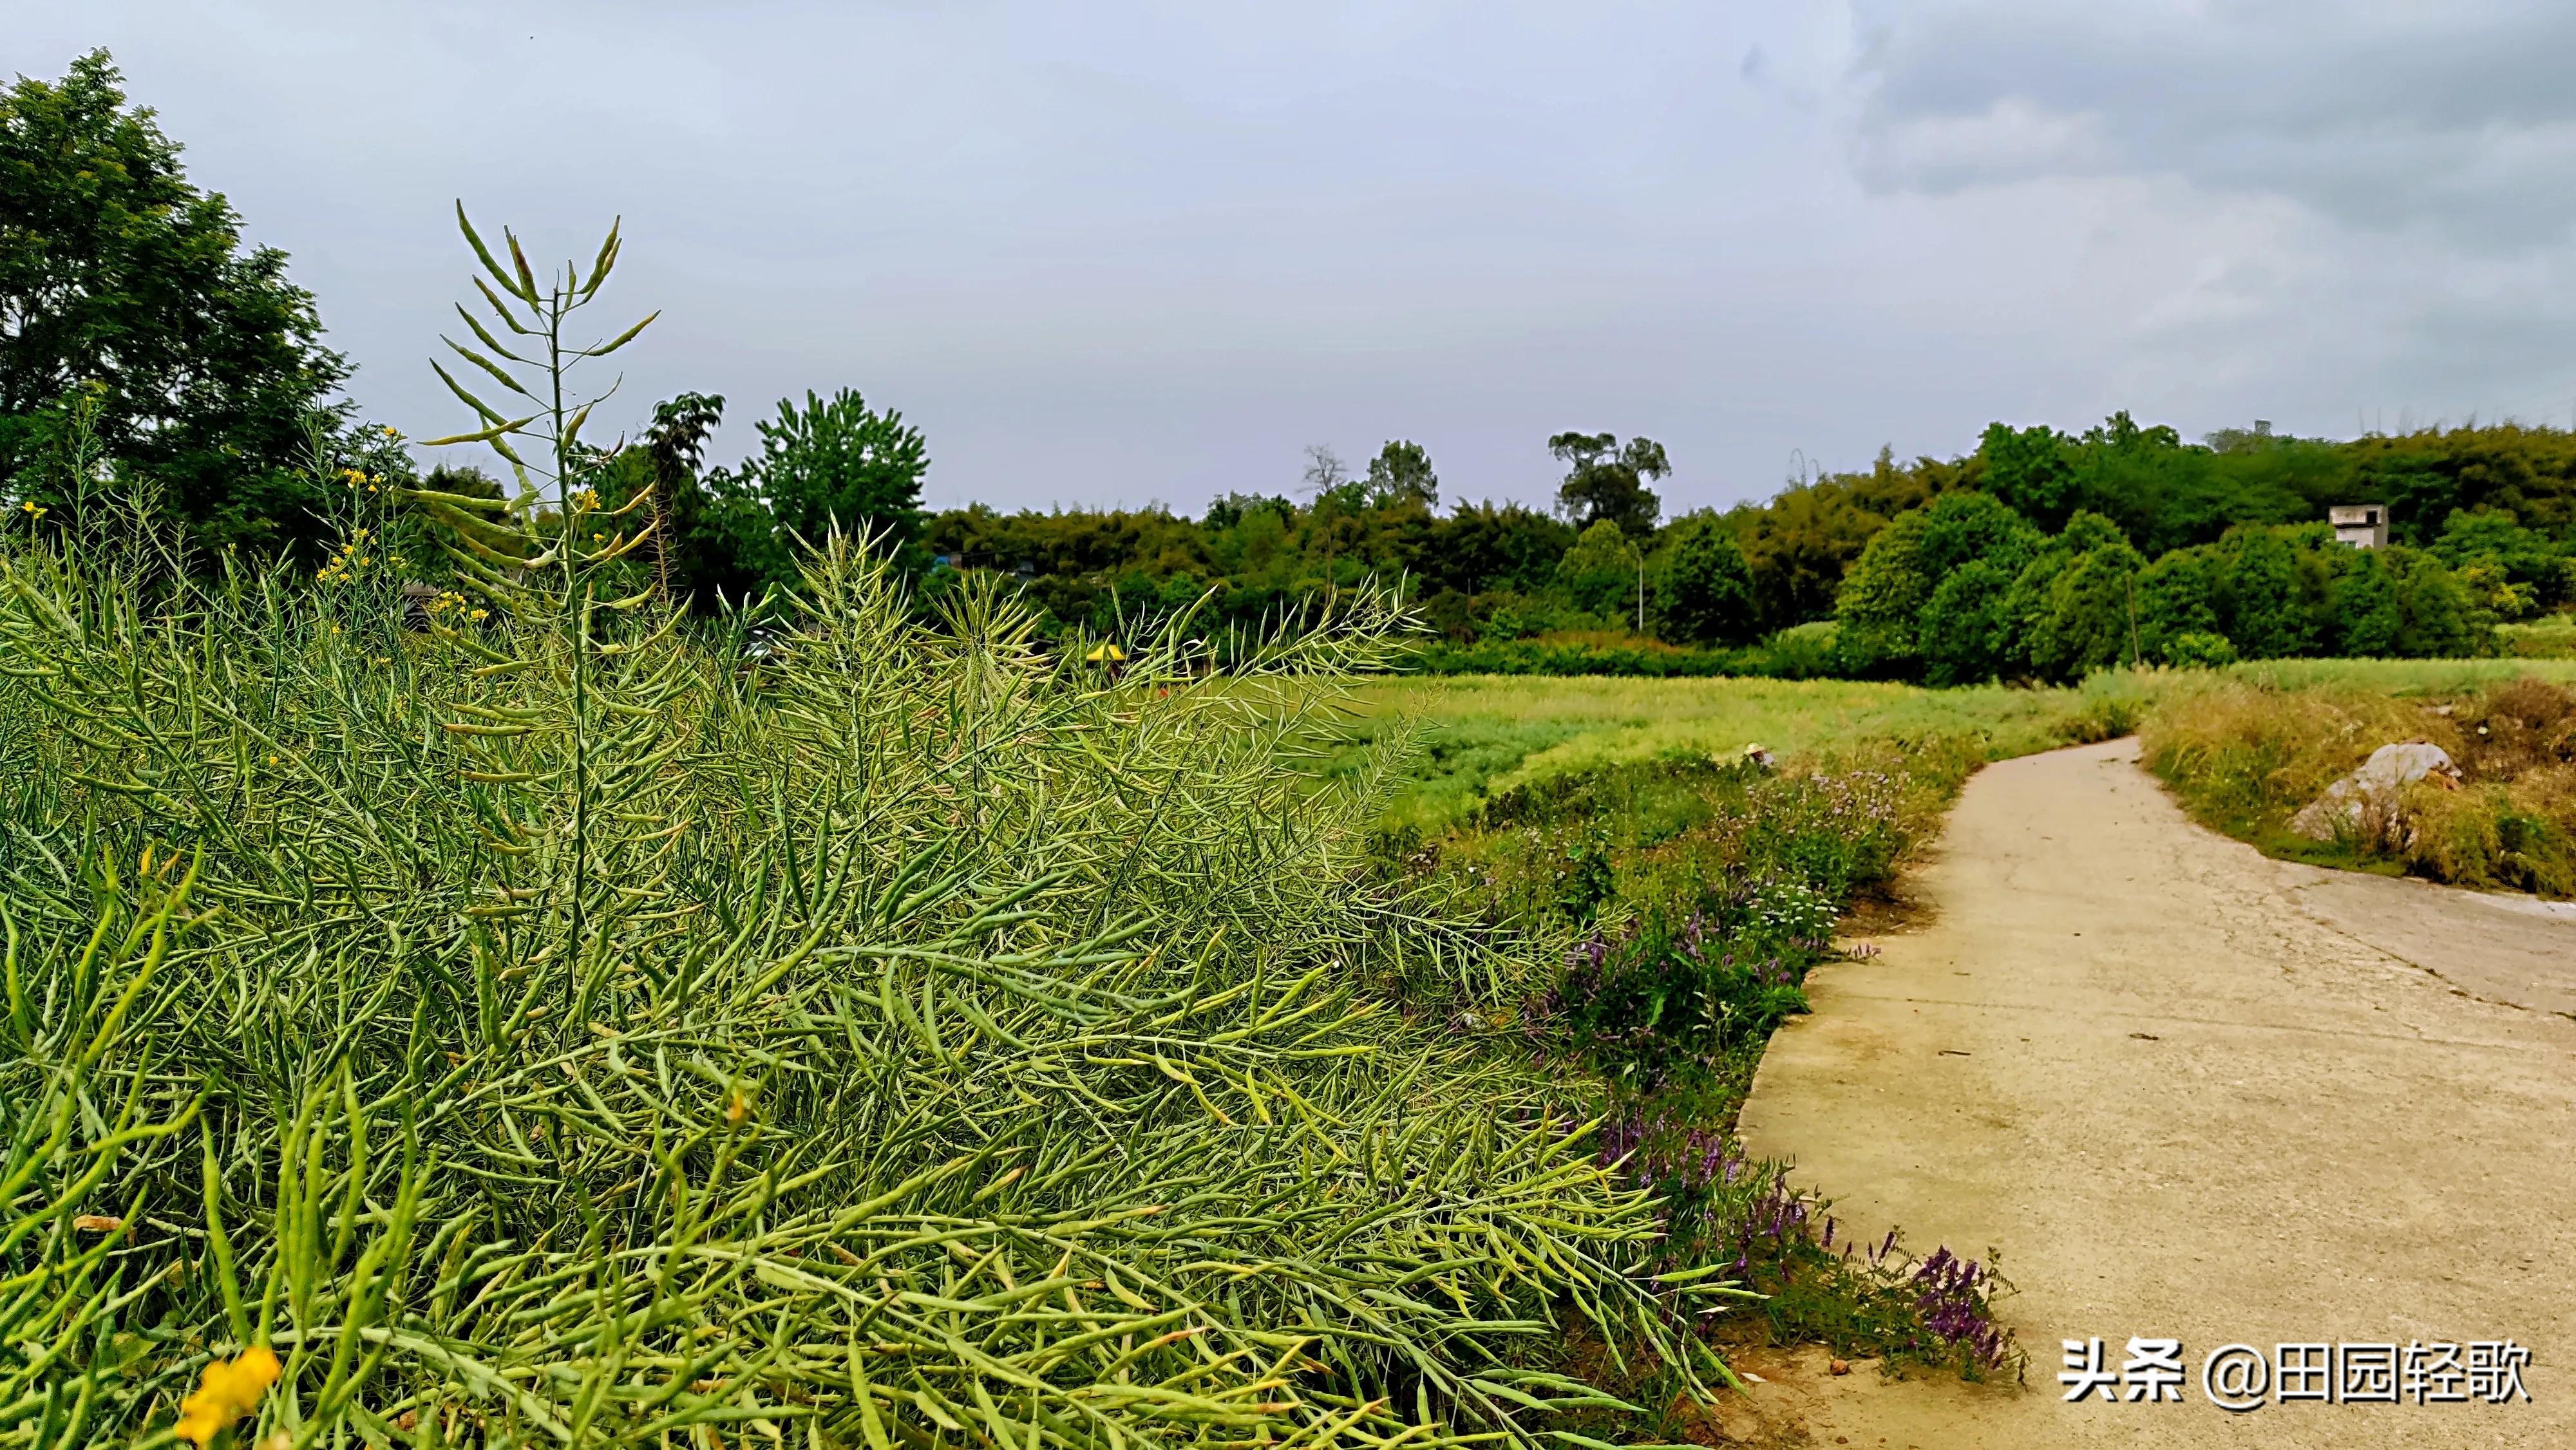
1107, 654
228, 1390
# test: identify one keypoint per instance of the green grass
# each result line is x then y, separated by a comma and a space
2552, 637
2394, 677
1486, 735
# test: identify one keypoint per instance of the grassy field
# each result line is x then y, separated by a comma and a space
2390, 677
1688, 891
2552, 637
1486, 734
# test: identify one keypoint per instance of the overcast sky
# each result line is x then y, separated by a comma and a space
1120, 253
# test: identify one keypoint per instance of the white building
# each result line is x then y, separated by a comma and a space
2362, 525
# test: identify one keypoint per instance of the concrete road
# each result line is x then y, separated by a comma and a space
2193, 1093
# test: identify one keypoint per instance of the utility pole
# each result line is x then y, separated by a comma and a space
1639, 551
2136, 655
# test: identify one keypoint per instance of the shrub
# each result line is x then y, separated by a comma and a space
2199, 650
1811, 651
1561, 656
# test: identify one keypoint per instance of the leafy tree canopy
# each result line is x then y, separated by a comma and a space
1401, 474
834, 464
1603, 571
1703, 587
1606, 480
201, 364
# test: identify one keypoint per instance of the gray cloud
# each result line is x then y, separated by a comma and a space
2451, 116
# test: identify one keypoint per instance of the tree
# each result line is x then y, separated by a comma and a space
2516, 568
834, 464
2029, 471
2367, 615
1704, 589
699, 535
2042, 625
2433, 610
1483, 547
1401, 475
118, 275
1966, 630
1605, 480
1234, 508
1328, 480
1600, 574
2257, 593
1965, 526
2091, 620
1801, 544
1881, 603
2175, 604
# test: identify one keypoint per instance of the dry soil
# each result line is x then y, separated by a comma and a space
2194, 1093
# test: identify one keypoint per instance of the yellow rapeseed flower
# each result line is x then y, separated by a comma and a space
34, 510
393, 432
228, 1390
475, 614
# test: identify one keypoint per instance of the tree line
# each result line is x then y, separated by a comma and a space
2039, 555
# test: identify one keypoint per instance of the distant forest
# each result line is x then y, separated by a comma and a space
1947, 569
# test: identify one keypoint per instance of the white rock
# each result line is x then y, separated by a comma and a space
2372, 787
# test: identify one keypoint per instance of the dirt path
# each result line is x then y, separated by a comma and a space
2193, 1093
